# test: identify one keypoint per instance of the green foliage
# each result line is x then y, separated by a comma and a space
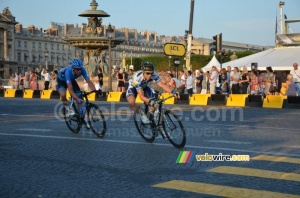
161, 62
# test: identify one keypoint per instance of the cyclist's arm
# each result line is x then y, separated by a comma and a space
91, 84
72, 93
142, 97
165, 87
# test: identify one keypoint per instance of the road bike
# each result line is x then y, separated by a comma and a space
94, 116
167, 124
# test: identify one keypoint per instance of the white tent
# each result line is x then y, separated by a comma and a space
212, 62
278, 58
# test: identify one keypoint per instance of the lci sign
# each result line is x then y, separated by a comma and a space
174, 49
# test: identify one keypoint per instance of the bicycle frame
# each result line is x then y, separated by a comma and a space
155, 124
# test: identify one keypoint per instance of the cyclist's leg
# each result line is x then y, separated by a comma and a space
131, 95
61, 87
148, 92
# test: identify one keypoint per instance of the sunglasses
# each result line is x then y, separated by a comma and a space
148, 73
78, 69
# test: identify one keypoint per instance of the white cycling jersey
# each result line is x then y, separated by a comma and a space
137, 80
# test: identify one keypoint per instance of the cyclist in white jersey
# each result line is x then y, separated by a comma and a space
138, 85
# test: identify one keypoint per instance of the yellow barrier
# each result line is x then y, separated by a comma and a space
28, 93
10, 93
236, 100
46, 94
138, 99
170, 100
199, 99
272, 101
114, 96
92, 96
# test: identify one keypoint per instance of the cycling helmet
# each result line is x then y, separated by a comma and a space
77, 63
147, 66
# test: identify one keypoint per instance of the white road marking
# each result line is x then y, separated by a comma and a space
228, 142
34, 129
159, 144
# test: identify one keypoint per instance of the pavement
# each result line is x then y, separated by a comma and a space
40, 157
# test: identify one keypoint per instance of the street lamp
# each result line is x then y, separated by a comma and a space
170, 62
46, 58
109, 34
131, 58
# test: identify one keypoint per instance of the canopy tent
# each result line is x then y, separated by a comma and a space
278, 58
212, 62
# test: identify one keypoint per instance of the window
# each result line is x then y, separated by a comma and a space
33, 45
52, 46
19, 43
40, 45
57, 46
25, 44
63, 47
19, 56
46, 45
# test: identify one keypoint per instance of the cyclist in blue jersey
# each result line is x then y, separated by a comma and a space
66, 80
138, 85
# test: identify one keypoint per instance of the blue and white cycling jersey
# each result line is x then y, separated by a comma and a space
137, 80
66, 74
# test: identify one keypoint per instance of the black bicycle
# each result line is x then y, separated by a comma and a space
167, 124
95, 119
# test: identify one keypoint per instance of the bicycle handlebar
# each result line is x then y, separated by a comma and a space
84, 94
160, 101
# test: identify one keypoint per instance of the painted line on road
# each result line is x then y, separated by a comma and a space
218, 190
276, 159
252, 172
159, 144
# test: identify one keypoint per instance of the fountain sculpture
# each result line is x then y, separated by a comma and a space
93, 39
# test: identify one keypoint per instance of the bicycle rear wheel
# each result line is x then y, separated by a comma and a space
96, 120
73, 122
174, 129
144, 130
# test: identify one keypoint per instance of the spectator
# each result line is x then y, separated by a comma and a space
229, 72
234, 80
223, 83
268, 80
296, 77
277, 83
199, 80
120, 76
47, 77
54, 80
33, 80
245, 80
16, 80
290, 85
254, 85
213, 78
189, 83
183, 80
100, 78
26, 79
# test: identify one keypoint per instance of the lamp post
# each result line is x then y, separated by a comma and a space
170, 62
109, 33
131, 58
46, 59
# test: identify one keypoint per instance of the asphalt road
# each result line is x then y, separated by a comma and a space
40, 157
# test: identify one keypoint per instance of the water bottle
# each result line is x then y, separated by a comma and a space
82, 111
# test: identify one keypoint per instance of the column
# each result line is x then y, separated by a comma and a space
5, 43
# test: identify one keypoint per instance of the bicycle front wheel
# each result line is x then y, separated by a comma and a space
96, 120
174, 129
144, 130
73, 121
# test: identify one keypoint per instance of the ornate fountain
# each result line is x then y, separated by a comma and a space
93, 39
